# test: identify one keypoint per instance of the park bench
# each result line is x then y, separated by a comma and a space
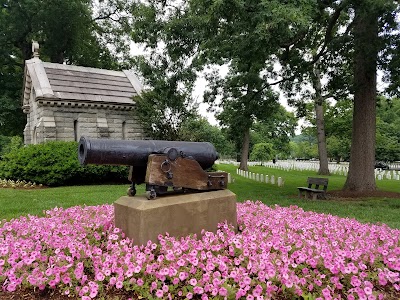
316, 191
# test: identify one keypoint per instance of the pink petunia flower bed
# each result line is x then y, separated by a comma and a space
278, 253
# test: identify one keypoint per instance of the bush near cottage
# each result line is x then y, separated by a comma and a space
55, 164
278, 253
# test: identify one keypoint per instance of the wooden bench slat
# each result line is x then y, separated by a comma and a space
310, 191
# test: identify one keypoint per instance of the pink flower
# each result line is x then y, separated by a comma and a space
198, 290
183, 276
355, 281
100, 276
193, 281
276, 247
140, 282
223, 292
113, 280
159, 293
368, 290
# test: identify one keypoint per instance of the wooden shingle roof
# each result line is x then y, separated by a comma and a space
67, 83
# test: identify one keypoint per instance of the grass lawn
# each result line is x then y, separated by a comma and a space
14, 203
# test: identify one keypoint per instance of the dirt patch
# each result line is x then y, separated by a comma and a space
339, 194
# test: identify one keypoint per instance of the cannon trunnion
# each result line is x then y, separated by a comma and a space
164, 166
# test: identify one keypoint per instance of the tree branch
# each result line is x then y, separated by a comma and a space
329, 29
106, 16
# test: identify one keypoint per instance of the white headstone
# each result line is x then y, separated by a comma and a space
272, 179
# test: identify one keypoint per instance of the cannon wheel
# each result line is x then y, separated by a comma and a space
151, 195
131, 191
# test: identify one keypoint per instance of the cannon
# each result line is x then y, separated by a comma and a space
164, 166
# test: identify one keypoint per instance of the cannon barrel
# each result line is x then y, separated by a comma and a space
136, 152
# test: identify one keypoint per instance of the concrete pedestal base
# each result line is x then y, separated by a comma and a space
179, 215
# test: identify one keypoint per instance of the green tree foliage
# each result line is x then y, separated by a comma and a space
339, 117
262, 152
167, 102
304, 146
359, 37
200, 130
68, 31
313, 60
276, 130
242, 35
338, 148
388, 130
245, 35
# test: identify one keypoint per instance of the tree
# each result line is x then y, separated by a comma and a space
166, 31
167, 103
67, 31
198, 129
245, 36
312, 60
338, 119
338, 149
372, 28
366, 46
241, 111
304, 146
262, 152
277, 130
388, 130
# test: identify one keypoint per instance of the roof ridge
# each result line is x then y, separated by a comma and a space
83, 69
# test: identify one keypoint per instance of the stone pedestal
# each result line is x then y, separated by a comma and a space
179, 215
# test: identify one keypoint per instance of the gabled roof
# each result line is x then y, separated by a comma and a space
67, 83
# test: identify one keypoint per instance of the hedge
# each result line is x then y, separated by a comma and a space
56, 164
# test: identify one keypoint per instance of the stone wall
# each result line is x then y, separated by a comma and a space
68, 123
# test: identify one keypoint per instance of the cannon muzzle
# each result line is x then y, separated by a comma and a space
136, 152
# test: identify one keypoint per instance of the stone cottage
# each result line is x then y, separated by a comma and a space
64, 102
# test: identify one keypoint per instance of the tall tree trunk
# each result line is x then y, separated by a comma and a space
362, 156
245, 150
319, 119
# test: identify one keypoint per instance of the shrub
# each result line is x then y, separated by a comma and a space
4, 140
10, 143
55, 164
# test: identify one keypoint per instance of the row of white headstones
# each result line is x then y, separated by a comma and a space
288, 165
261, 177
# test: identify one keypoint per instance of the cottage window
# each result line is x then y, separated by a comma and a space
76, 129
124, 130
34, 136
